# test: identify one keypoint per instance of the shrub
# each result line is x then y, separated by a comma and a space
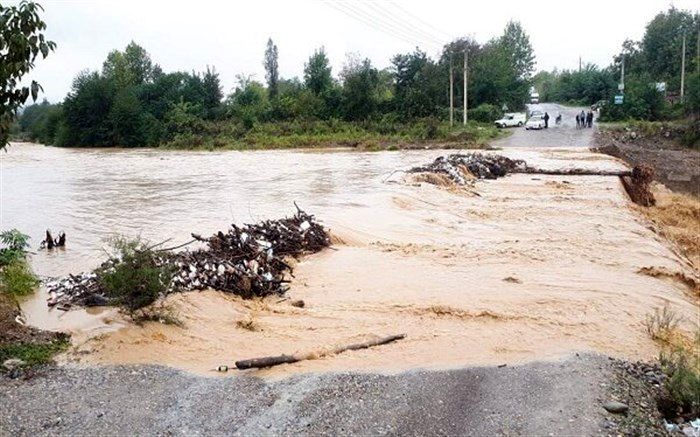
134, 277
485, 113
34, 353
18, 279
681, 396
661, 323
16, 244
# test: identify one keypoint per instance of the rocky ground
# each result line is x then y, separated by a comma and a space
544, 398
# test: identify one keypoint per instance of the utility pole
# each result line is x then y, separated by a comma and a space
466, 76
683, 70
622, 76
579, 63
452, 94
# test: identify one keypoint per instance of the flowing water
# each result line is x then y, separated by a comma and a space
532, 267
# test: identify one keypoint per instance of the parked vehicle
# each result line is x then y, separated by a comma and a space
535, 122
534, 98
511, 119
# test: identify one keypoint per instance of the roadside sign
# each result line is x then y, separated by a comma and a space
660, 87
619, 99
621, 86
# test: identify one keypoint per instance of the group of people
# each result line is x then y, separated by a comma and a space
584, 119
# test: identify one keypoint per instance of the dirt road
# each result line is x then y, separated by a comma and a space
561, 398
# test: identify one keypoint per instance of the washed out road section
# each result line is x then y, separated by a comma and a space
533, 267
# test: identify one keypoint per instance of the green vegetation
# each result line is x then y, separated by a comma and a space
654, 59
134, 277
681, 395
34, 353
16, 277
21, 42
133, 102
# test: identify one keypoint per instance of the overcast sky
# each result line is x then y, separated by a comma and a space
187, 35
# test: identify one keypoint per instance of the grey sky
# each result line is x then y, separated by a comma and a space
187, 35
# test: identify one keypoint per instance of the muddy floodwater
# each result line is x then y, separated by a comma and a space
533, 267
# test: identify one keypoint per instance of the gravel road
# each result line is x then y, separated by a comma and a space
543, 398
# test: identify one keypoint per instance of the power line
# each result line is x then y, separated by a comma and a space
376, 24
420, 20
389, 17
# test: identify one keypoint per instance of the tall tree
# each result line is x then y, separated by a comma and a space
211, 90
317, 73
131, 67
271, 68
21, 41
662, 43
516, 44
360, 89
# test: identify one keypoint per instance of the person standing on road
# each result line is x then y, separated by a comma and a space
582, 116
578, 121
589, 118
546, 120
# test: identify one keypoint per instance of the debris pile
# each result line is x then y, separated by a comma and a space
247, 261
250, 260
461, 168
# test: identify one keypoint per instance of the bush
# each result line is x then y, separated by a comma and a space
18, 279
681, 395
134, 277
33, 353
485, 113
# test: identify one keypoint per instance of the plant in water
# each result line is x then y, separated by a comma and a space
135, 276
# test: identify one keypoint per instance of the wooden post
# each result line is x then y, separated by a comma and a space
466, 76
452, 94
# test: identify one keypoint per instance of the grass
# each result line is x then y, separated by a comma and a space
372, 136
34, 353
661, 324
158, 312
249, 324
687, 132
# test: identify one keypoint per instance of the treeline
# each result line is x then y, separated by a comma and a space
132, 102
653, 60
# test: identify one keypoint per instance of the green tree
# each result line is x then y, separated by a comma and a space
317, 73
662, 43
87, 111
211, 92
360, 89
21, 42
271, 68
418, 88
516, 44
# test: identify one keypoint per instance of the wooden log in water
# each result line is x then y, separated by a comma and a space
256, 363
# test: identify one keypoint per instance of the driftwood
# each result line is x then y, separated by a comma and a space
288, 359
51, 242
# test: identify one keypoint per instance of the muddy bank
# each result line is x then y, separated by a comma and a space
676, 166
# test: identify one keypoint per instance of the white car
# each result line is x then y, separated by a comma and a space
535, 122
511, 119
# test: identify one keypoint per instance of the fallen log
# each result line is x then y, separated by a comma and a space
257, 363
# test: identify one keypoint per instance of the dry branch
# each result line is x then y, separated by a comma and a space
256, 363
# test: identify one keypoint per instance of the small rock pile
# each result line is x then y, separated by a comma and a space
460, 168
247, 261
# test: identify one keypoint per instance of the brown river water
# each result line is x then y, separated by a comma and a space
535, 267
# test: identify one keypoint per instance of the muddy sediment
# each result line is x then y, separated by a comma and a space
535, 267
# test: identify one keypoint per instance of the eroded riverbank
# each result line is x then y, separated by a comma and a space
535, 267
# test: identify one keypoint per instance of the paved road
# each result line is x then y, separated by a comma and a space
554, 398
564, 135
